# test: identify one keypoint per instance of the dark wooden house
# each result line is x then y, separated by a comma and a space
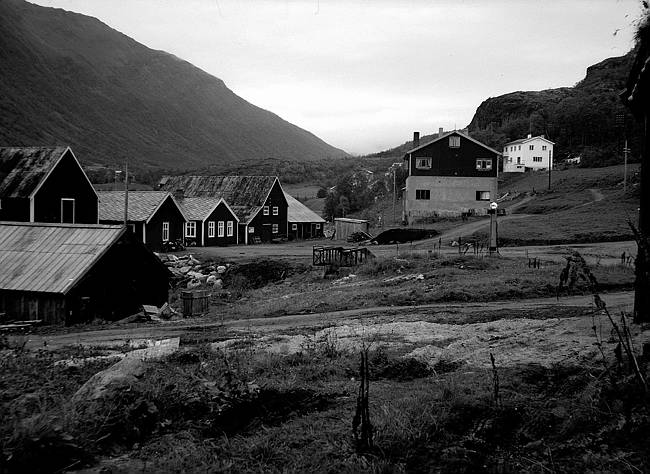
303, 222
210, 221
66, 273
449, 176
258, 201
154, 216
45, 184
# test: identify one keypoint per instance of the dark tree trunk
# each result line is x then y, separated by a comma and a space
642, 282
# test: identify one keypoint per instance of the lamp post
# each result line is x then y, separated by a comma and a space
493, 228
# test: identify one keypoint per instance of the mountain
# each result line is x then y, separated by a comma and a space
70, 79
581, 120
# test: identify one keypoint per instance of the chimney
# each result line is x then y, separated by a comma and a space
416, 139
530, 135
440, 131
179, 194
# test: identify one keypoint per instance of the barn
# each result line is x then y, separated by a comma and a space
45, 184
303, 222
65, 273
211, 221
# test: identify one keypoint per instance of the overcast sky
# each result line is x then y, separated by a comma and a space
364, 74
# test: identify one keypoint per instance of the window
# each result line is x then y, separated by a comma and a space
509, 160
211, 229
294, 226
422, 194
275, 228
317, 226
482, 195
531, 147
165, 232
537, 159
67, 211
221, 229
266, 210
543, 147
454, 141
484, 165
230, 229
519, 148
423, 163
190, 229
275, 210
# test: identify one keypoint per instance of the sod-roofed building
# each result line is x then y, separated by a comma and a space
153, 216
67, 273
210, 221
303, 222
45, 184
258, 201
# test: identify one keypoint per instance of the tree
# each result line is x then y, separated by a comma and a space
344, 205
331, 203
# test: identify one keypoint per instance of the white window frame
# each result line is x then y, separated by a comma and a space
221, 229
74, 210
275, 228
211, 227
317, 226
425, 194
251, 230
454, 141
266, 210
276, 210
190, 229
484, 161
165, 231
482, 195
294, 226
230, 228
423, 163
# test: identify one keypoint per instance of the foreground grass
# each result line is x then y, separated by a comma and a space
412, 280
246, 411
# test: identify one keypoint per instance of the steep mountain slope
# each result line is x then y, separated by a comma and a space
67, 78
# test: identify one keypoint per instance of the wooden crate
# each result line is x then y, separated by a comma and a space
195, 302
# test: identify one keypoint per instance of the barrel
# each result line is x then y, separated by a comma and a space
195, 302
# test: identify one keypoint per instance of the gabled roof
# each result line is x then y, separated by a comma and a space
142, 205
298, 212
245, 194
524, 140
200, 208
24, 169
51, 258
445, 135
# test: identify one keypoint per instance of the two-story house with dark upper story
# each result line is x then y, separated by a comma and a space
153, 216
258, 201
452, 175
210, 222
45, 184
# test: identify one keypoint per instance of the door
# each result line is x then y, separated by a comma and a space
67, 211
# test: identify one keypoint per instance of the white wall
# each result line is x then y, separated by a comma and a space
541, 148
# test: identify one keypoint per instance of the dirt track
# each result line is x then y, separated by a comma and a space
119, 335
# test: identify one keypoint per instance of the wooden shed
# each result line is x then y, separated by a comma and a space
66, 273
344, 227
303, 222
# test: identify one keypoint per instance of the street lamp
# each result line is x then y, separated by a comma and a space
493, 227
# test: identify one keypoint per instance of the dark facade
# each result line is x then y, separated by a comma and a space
305, 230
219, 228
270, 222
54, 187
167, 213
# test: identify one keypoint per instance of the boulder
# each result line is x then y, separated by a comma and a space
221, 269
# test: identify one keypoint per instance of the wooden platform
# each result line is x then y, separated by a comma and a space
340, 256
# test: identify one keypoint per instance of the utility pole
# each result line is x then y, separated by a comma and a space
394, 193
126, 193
550, 166
626, 150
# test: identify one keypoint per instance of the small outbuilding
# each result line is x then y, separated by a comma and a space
344, 227
210, 222
154, 216
45, 184
65, 273
303, 222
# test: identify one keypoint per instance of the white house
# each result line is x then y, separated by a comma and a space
530, 153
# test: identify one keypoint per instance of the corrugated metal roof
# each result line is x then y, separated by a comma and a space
298, 212
350, 220
245, 194
23, 168
200, 208
50, 258
142, 205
